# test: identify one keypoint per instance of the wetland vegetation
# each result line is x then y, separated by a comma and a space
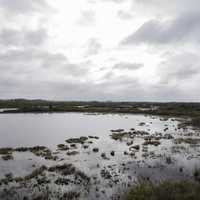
99, 150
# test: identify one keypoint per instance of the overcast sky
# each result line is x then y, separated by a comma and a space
119, 50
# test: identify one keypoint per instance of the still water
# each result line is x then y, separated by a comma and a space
52, 129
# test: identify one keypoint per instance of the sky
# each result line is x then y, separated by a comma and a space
105, 50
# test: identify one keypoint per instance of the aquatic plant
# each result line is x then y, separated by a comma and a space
72, 153
80, 140
63, 147
8, 157
5, 151
152, 142
95, 150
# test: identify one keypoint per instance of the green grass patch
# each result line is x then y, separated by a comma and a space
183, 190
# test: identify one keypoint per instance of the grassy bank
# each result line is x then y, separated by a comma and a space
183, 190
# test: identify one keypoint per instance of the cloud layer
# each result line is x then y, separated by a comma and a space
120, 50
185, 28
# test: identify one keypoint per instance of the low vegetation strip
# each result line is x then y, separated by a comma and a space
175, 109
183, 190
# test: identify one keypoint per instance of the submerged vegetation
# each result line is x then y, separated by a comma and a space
80, 140
40, 179
40, 151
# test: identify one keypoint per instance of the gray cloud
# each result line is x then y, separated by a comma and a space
26, 74
106, 1
87, 18
23, 6
115, 1
65, 90
164, 7
68, 90
181, 67
125, 15
127, 66
93, 48
76, 70
30, 73
14, 37
37, 63
122, 88
30, 68
184, 28
15, 56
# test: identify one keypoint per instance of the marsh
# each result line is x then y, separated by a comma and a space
147, 151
